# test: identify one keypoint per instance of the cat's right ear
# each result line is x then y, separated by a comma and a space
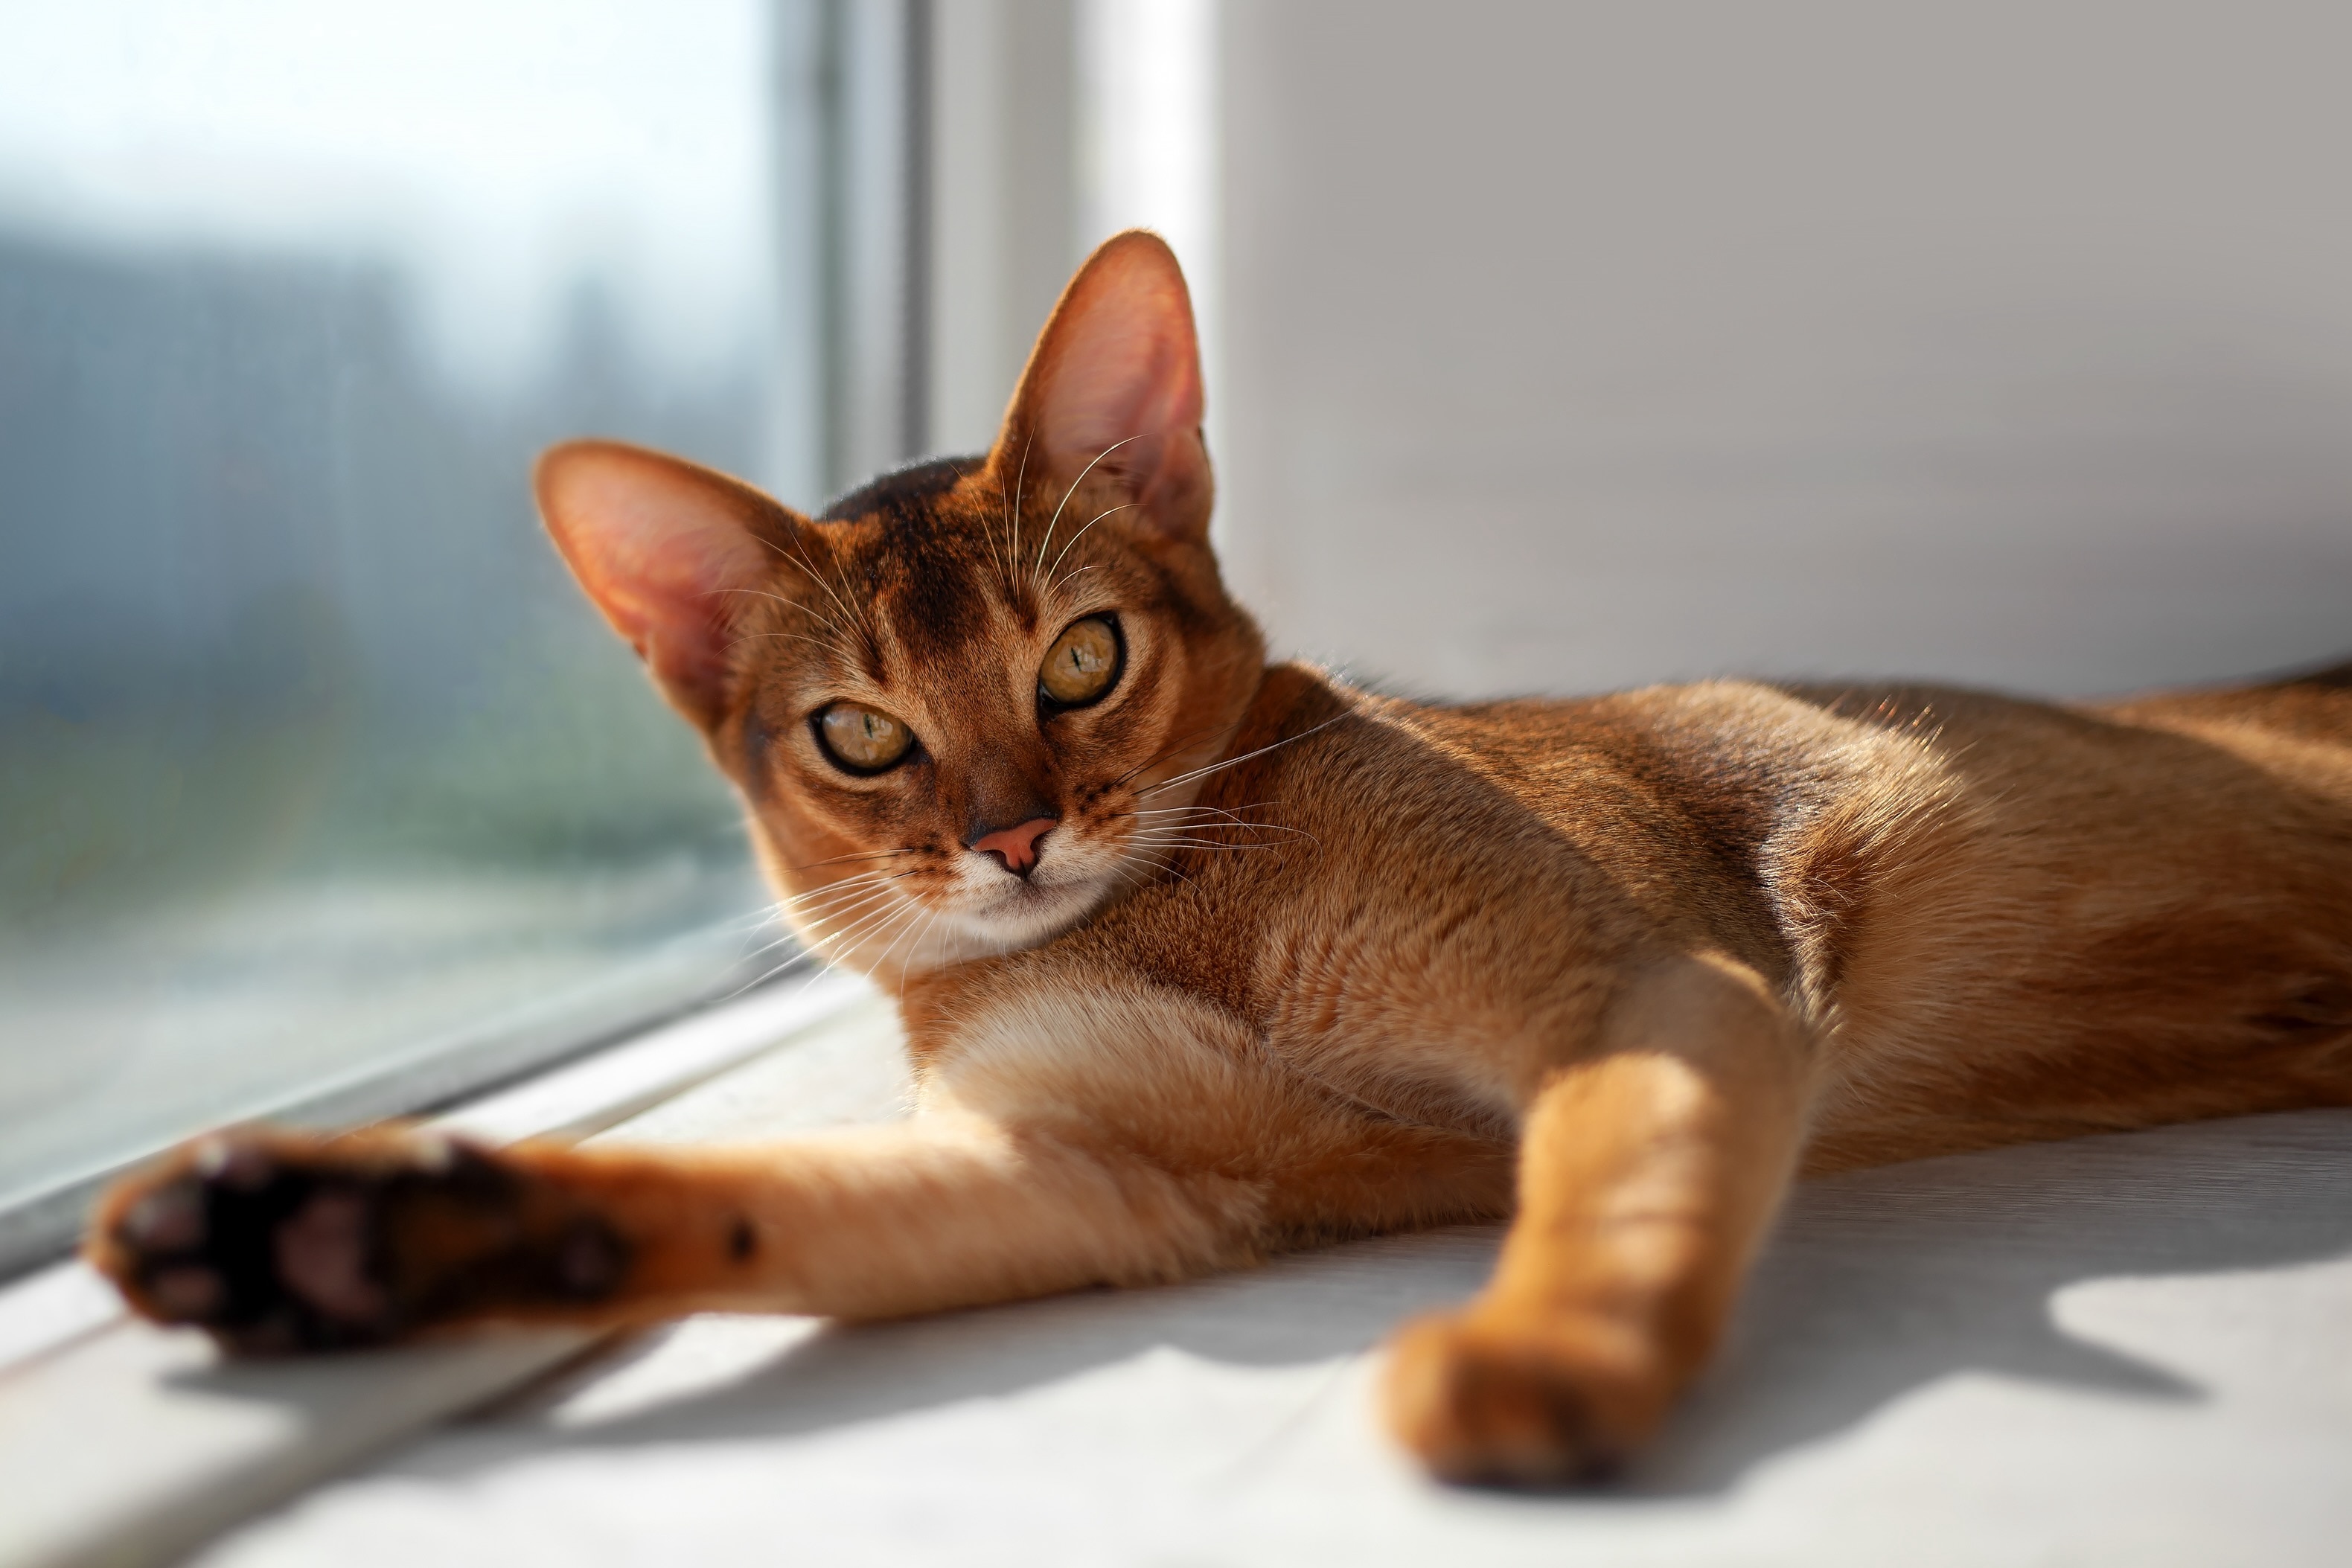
667, 549
1112, 393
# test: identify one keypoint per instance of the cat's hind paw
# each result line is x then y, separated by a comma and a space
1536, 1404
275, 1241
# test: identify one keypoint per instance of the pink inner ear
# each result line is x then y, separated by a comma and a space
1113, 385
662, 548
1122, 364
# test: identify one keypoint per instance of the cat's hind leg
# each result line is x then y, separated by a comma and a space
1649, 1173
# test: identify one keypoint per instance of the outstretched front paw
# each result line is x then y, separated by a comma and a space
276, 1241
1534, 1403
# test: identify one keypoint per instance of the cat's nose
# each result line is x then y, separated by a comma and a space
1016, 847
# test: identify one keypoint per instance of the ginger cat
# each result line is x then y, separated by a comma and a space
1201, 959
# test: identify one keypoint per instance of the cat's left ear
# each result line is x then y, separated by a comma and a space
668, 550
1112, 392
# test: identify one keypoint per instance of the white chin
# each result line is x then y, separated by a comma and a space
1029, 914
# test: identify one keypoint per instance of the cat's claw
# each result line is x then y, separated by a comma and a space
278, 1242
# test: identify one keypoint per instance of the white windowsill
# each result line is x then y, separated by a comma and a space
125, 1444
2118, 1349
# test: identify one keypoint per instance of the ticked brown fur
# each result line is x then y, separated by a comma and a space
1297, 961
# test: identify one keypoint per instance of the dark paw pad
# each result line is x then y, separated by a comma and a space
275, 1243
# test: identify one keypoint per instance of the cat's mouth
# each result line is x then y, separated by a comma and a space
1011, 913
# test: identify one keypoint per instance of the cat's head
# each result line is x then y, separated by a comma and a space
961, 704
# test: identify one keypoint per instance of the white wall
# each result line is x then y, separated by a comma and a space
1055, 124
1004, 197
1581, 345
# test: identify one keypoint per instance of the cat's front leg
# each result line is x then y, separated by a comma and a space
1649, 1173
279, 1241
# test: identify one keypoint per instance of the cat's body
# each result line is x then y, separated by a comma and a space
2001, 920
1201, 958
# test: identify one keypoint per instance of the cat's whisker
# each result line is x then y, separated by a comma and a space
914, 953
912, 916
988, 526
835, 649
856, 616
1214, 834
1013, 517
857, 855
1075, 538
1175, 746
1211, 845
867, 929
1060, 591
802, 955
815, 922
847, 883
1046, 543
756, 954
1206, 834
914, 956
859, 894
1206, 822
1180, 811
1200, 817
910, 912
873, 917
817, 926
1159, 864
1244, 757
801, 605
817, 929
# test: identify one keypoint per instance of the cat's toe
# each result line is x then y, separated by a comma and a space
266, 1239
1533, 1404
275, 1241
165, 1219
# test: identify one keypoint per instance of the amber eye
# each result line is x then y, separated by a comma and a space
1082, 664
860, 739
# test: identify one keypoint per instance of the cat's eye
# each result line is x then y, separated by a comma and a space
862, 740
1082, 664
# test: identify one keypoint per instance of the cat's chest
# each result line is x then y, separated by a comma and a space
1346, 989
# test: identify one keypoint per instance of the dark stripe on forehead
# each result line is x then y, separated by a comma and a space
902, 491
930, 573
938, 598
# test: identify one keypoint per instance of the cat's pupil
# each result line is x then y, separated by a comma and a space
862, 740
1082, 664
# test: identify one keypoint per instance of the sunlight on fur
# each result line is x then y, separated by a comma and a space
1200, 958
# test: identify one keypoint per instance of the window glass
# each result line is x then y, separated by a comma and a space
313, 762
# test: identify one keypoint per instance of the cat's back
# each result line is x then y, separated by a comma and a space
2010, 918
2298, 729
2006, 919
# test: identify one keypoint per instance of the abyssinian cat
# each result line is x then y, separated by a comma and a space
1201, 958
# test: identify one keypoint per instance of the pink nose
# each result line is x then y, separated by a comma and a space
1016, 847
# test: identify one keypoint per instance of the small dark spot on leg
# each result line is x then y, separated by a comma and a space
741, 1241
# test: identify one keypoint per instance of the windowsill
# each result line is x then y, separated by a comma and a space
125, 1443
2117, 1349
440, 1066
2124, 1349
